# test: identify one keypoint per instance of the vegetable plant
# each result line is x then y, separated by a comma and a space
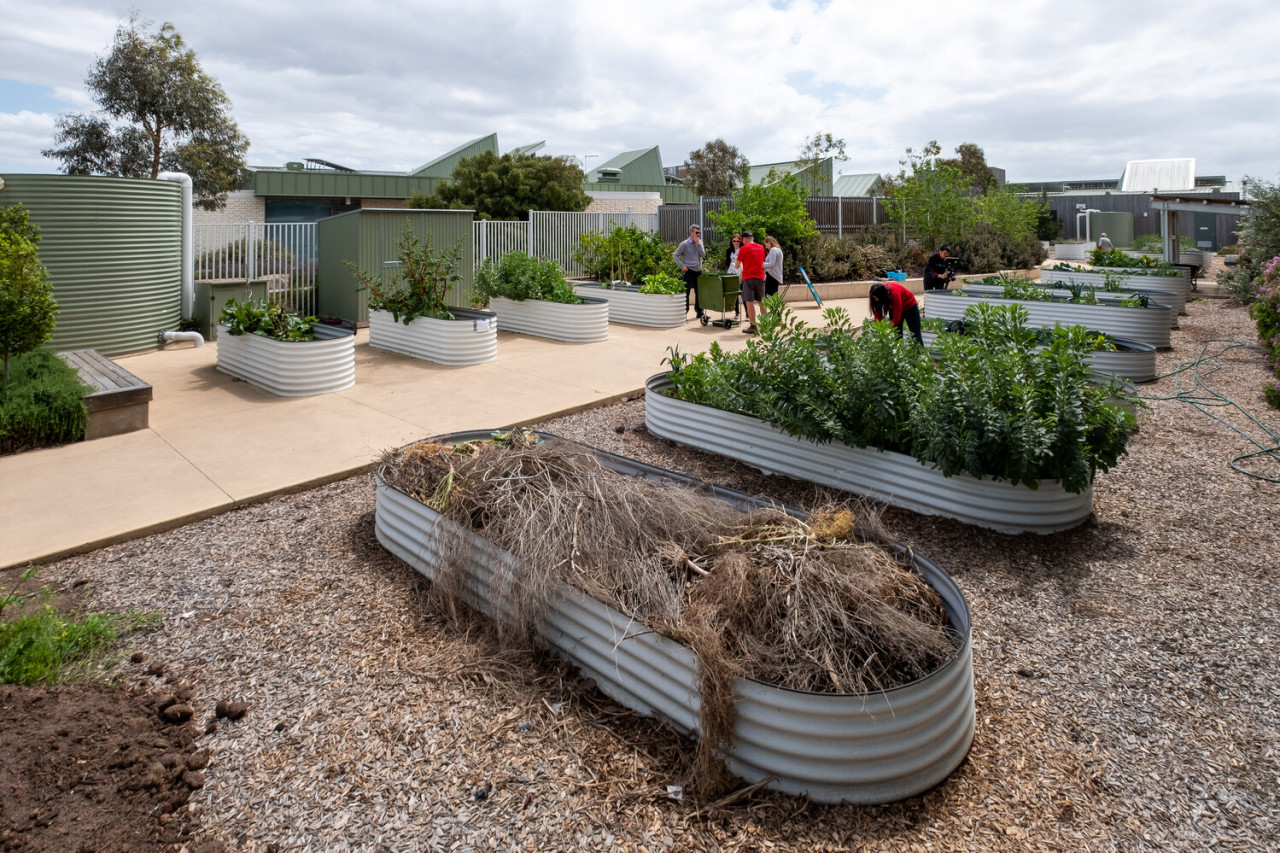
426, 276
994, 405
517, 276
624, 254
258, 317
662, 283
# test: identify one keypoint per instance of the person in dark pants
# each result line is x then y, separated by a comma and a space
689, 255
936, 272
898, 303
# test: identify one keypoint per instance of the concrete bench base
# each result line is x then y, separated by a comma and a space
120, 401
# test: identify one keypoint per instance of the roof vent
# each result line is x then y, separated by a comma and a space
609, 175
294, 166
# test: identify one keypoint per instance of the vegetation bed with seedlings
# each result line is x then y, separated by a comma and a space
1125, 679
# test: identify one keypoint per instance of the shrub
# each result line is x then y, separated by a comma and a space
517, 276
232, 260
991, 407
1148, 243
28, 311
42, 404
863, 255
662, 283
257, 317
626, 254
984, 248
426, 277
1266, 311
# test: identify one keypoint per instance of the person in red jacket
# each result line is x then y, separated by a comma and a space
751, 261
898, 303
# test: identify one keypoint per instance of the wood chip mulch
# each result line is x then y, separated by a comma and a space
1127, 687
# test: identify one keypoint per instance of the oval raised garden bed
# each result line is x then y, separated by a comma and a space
1149, 325
1173, 289
1071, 251
1132, 360
470, 338
628, 305
585, 322
291, 368
895, 478
831, 747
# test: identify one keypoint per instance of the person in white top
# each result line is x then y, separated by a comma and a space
772, 267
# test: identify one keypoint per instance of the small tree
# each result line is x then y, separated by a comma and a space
1259, 234
159, 111
932, 201
776, 208
508, 187
715, 168
28, 311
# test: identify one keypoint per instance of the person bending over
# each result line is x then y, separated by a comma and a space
897, 303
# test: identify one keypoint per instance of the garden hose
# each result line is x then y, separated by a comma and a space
1204, 399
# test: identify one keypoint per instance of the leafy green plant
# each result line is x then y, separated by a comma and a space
1266, 313
993, 406
426, 277
776, 208
517, 276
1148, 243
42, 404
28, 311
232, 260
624, 254
258, 317
1139, 265
49, 647
662, 283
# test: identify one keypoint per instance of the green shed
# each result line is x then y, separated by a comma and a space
369, 238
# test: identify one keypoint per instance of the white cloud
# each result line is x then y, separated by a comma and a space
1048, 90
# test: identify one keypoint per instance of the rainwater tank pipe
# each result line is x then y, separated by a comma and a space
1085, 214
165, 336
188, 251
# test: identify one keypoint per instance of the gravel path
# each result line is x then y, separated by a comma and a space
1125, 671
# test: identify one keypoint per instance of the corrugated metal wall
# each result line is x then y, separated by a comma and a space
368, 238
339, 185
113, 249
1137, 204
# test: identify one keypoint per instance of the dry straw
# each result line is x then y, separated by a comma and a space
820, 605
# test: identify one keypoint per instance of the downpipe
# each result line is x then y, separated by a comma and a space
165, 336
188, 249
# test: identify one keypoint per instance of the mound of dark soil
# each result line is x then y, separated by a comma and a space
95, 768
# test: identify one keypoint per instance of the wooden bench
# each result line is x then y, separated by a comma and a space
119, 402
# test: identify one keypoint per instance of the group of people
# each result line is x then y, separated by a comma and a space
758, 267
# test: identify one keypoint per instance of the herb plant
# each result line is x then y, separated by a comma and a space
662, 283
426, 277
257, 317
992, 406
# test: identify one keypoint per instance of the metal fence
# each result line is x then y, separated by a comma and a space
832, 215
551, 234
284, 254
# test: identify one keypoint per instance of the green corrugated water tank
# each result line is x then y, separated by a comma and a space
369, 238
1118, 226
113, 249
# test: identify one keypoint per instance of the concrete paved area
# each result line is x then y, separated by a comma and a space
215, 443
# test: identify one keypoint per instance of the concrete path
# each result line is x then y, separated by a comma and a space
215, 443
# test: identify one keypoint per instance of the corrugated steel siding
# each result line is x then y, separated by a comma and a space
894, 478
368, 239
337, 185
584, 323
454, 342
289, 368
443, 166
113, 249
862, 748
1175, 287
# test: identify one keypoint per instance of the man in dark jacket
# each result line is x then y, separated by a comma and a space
936, 273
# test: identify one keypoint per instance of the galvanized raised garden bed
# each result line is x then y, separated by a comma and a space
1149, 325
470, 338
582, 323
291, 368
628, 305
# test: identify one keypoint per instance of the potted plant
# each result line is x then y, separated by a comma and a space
411, 317
775, 710
531, 296
278, 351
1009, 440
658, 302
1132, 315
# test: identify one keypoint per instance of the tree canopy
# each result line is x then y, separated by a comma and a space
158, 111
508, 187
715, 168
775, 208
822, 146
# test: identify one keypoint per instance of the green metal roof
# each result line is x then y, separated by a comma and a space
443, 166
819, 182
857, 186
281, 183
642, 166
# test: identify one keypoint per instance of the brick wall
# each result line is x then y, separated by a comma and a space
619, 202
242, 206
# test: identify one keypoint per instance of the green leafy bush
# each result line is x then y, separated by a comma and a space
42, 404
28, 311
662, 283
984, 247
1142, 265
1148, 243
232, 260
258, 317
861, 256
625, 254
776, 208
992, 406
517, 276
1266, 313
426, 277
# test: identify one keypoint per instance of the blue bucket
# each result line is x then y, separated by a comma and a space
897, 276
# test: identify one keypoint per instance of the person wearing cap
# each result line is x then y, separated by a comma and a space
689, 255
751, 262
936, 272
898, 304
1104, 242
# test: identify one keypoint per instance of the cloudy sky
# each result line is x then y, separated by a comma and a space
1049, 90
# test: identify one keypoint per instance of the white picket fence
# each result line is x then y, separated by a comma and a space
284, 254
551, 234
